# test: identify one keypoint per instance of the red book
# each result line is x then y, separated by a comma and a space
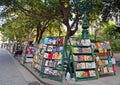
50, 55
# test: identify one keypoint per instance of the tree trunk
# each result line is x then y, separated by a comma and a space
37, 35
40, 36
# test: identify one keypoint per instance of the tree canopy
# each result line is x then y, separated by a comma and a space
47, 15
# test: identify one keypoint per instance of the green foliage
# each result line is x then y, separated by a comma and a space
115, 45
110, 33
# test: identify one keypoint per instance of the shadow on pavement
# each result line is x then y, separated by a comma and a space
34, 83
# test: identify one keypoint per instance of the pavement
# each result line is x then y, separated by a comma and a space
12, 72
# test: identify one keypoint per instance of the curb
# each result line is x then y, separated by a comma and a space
44, 83
35, 76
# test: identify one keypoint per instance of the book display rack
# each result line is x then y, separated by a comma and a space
105, 59
83, 59
49, 59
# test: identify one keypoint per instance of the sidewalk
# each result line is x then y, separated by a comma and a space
11, 72
107, 80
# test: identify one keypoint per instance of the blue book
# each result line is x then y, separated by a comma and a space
46, 40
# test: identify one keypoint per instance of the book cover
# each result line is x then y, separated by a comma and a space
81, 57
108, 44
113, 61
46, 40
45, 55
50, 55
88, 65
60, 49
105, 70
73, 41
75, 57
92, 73
88, 58
75, 50
85, 42
98, 44
57, 55
50, 48
104, 45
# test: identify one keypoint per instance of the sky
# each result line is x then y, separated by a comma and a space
2, 20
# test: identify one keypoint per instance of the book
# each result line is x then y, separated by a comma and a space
110, 69
104, 45
89, 58
45, 55
50, 55
75, 50
75, 57
46, 63
88, 65
86, 50
50, 48
98, 44
73, 41
85, 42
105, 69
92, 73
46, 40
81, 57
113, 61
57, 55
60, 49
108, 44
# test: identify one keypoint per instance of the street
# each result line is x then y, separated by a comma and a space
11, 72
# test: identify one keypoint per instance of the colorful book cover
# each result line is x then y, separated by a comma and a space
53, 63
81, 57
61, 49
93, 65
54, 49
44, 47
85, 42
75, 57
113, 61
73, 41
50, 55
46, 40
88, 65
75, 50
88, 58
61, 40
57, 55
85, 57
46, 63
108, 44
80, 50
104, 45
50, 48
110, 69
105, 70
92, 73
50, 41
98, 44
78, 74
45, 55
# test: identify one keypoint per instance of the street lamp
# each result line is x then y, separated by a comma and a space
85, 7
